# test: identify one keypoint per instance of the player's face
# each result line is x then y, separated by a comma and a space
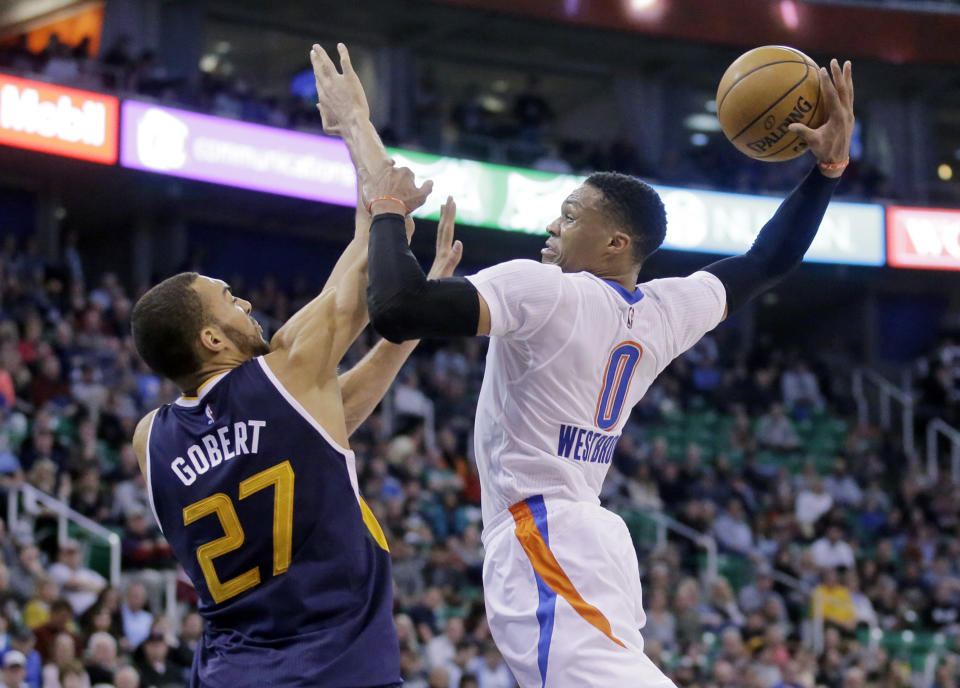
232, 316
579, 237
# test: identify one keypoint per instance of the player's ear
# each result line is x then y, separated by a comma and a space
212, 339
620, 242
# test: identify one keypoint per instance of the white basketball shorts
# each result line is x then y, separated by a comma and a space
562, 591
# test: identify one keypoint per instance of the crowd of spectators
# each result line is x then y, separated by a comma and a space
512, 126
858, 537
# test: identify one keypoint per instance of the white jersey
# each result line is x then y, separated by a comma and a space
570, 355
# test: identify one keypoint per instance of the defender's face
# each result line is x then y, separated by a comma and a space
579, 237
232, 315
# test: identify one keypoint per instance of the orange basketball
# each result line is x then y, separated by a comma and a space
761, 94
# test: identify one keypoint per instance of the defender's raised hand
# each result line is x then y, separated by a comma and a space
830, 142
449, 252
393, 190
341, 96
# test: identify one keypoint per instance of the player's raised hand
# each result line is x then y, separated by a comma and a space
341, 96
449, 252
830, 142
393, 189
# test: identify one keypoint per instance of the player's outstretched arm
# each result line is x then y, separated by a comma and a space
364, 385
783, 241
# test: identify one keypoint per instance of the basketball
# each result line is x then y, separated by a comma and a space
764, 91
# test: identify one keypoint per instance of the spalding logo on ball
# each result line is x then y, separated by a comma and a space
762, 93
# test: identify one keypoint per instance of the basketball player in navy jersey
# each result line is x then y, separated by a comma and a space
251, 479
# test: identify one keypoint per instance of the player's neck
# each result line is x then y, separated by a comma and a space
191, 383
625, 278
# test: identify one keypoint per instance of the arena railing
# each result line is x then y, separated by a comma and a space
887, 392
35, 502
937, 428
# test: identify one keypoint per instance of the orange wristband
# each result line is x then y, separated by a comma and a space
834, 166
406, 210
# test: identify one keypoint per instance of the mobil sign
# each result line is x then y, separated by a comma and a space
924, 238
57, 120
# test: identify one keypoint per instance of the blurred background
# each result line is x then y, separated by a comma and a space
791, 483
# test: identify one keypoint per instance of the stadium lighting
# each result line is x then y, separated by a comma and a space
789, 14
644, 9
945, 172
699, 139
701, 122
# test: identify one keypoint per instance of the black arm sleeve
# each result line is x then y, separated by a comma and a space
403, 303
780, 246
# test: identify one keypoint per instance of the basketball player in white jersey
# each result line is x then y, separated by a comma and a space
575, 342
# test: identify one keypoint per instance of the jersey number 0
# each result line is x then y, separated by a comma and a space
281, 477
621, 366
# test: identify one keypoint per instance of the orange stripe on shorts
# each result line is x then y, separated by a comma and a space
549, 569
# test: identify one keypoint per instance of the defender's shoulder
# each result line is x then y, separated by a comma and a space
140, 437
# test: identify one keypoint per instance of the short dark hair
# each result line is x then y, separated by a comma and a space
637, 207
166, 322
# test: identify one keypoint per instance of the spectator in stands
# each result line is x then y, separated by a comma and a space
14, 670
25, 572
832, 551
23, 641
490, 669
833, 601
812, 504
943, 612
732, 529
154, 666
126, 677
532, 112
60, 623
720, 611
443, 648
63, 656
191, 629
89, 496
866, 615
142, 545
775, 430
755, 596
48, 386
801, 391
136, 619
102, 658
43, 446
79, 584
661, 623
842, 486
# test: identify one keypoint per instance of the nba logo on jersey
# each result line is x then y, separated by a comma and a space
208, 412
629, 321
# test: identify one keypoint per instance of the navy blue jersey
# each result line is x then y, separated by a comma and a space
262, 509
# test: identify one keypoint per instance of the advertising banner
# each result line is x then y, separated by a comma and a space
251, 156
62, 121
224, 151
528, 200
923, 238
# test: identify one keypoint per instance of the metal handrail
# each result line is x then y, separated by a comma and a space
941, 427
707, 542
32, 497
888, 392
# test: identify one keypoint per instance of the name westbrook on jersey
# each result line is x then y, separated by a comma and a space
217, 447
583, 444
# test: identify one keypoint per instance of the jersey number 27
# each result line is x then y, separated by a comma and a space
281, 477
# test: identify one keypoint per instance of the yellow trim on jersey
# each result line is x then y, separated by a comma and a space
372, 525
200, 388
